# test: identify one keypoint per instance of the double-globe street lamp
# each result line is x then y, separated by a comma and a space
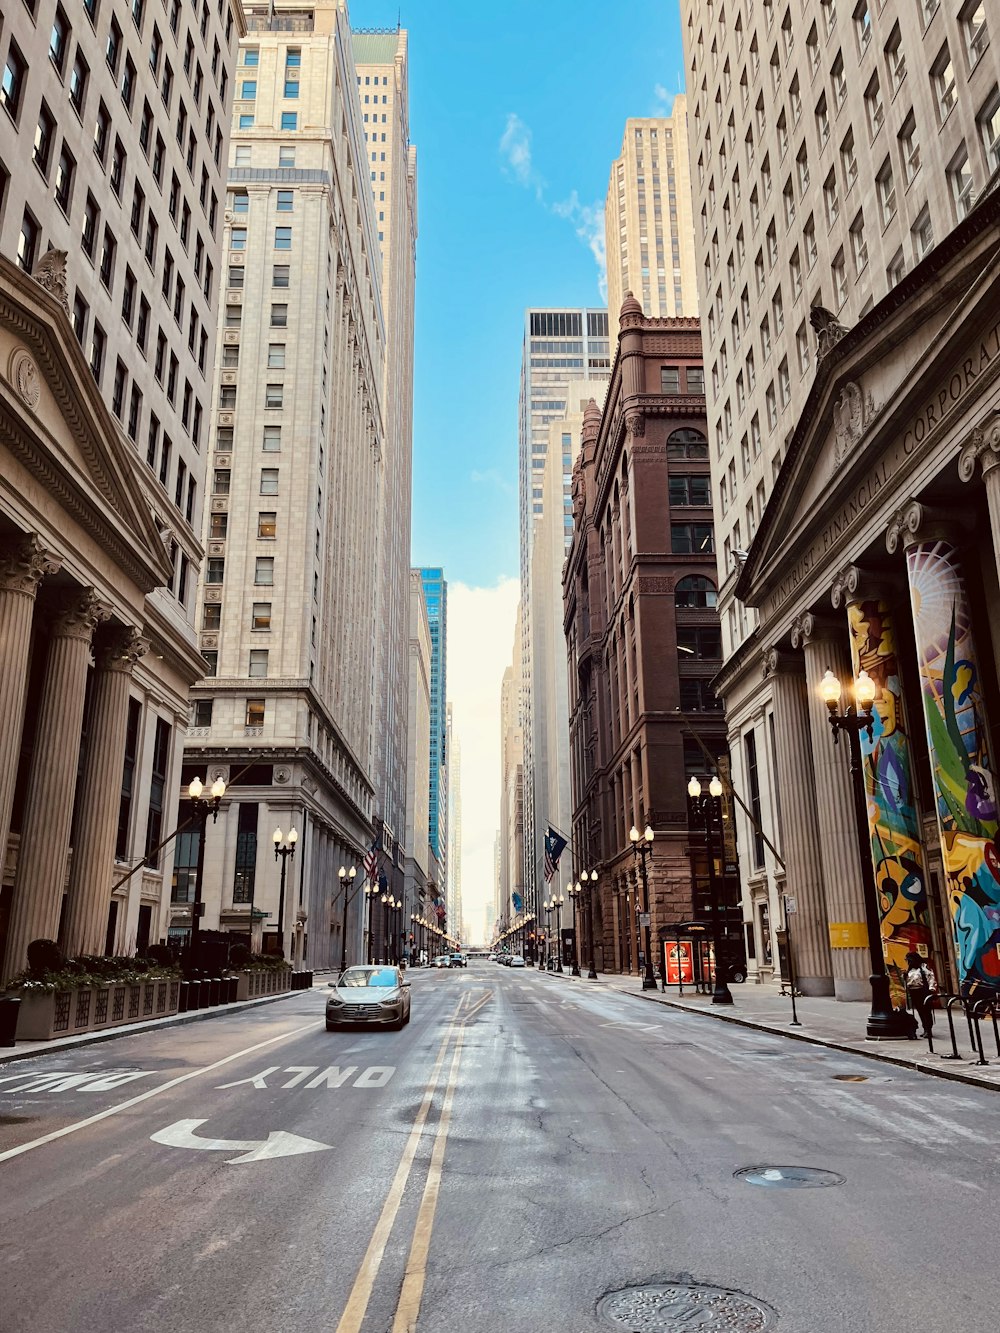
584, 887
284, 847
642, 847
705, 814
372, 891
202, 807
884, 1020
389, 906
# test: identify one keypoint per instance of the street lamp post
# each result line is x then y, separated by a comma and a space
203, 807
371, 893
574, 893
591, 890
642, 847
884, 1020
559, 901
550, 907
705, 812
283, 848
346, 877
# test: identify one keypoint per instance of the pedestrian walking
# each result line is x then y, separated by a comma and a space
921, 988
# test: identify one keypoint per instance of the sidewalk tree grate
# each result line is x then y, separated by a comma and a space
789, 1177
671, 1307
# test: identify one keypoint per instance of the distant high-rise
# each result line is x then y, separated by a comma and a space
418, 756
454, 866
559, 345
381, 61
649, 220
436, 597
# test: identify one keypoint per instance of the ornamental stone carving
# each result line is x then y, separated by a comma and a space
810, 627
904, 526
776, 661
77, 614
635, 424
853, 413
652, 583
23, 375
50, 272
119, 648
983, 447
24, 564
281, 776
845, 586
828, 330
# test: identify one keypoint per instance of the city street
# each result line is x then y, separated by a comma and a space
517, 1152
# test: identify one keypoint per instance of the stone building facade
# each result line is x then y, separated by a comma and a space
114, 131
641, 628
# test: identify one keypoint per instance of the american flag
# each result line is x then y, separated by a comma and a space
554, 846
370, 862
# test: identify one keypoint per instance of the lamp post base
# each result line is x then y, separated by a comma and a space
648, 980
576, 970
722, 994
884, 1022
592, 974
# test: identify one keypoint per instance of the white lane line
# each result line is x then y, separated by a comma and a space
153, 1092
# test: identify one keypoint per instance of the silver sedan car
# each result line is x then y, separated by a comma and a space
376, 996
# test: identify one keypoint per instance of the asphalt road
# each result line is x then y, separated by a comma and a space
524, 1147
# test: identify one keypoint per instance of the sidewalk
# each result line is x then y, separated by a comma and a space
824, 1022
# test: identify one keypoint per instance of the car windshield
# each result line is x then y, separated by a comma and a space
369, 976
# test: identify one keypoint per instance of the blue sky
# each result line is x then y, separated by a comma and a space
498, 227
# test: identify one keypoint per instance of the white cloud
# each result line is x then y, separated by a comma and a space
515, 147
588, 223
493, 478
480, 642
663, 101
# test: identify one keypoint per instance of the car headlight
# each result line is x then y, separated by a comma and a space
390, 1004
335, 1001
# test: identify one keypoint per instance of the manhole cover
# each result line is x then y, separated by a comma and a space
685, 1305
789, 1177
851, 1078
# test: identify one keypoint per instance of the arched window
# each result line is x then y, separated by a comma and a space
696, 592
687, 443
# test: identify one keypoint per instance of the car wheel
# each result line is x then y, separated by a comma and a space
739, 976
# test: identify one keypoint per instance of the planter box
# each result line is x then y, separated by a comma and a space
257, 981
47, 1014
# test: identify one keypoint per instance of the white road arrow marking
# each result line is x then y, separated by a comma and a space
277, 1144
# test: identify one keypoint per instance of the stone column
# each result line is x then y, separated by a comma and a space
23, 564
894, 828
827, 646
984, 448
799, 829
41, 865
957, 740
85, 922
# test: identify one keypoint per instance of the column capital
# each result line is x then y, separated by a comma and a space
811, 627
77, 614
119, 648
982, 447
24, 563
780, 662
845, 585
916, 522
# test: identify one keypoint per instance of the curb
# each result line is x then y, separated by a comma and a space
900, 1061
7, 1055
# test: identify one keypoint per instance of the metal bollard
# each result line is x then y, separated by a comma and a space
10, 1007
194, 993
183, 997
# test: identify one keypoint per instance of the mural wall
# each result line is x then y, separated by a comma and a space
963, 780
900, 872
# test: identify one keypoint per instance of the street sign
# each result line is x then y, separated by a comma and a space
644, 919
791, 907
277, 1144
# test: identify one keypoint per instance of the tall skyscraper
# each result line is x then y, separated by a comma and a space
454, 829
559, 345
436, 596
113, 144
842, 158
648, 218
418, 756
298, 443
512, 858
383, 90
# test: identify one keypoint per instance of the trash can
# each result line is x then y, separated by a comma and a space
10, 1007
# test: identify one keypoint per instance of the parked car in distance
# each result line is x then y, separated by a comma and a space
459, 960
442, 960
516, 961
375, 996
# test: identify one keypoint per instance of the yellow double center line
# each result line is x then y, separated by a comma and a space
412, 1291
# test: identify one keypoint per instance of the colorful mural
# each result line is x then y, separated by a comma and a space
897, 855
956, 737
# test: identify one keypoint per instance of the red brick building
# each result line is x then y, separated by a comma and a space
643, 639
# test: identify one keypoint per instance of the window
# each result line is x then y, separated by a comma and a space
78, 82
974, 30
221, 481
128, 84
248, 90
697, 696
227, 397
276, 356
943, 79
157, 791
988, 122
670, 379
694, 378
236, 275
862, 25
219, 526
98, 342
255, 713
849, 161
267, 525
960, 183
108, 251
802, 348
59, 39
692, 538
261, 616
289, 120
795, 273
784, 383
695, 593
215, 569
41, 150
286, 155
269, 481
251, 56
831, 200
272, 439
909, 148
12, 85
822, 120
873, 105
686, 443
896, 270
279, 316
922, 233
894, 59
765, 338
264, 570
285, 198
234, 316
753, 788
273, 395
886, 192
702, 643
114, 46
690, 490
258, 662
28, 242
282, 238
118, 167
859, 246
839, 82
280, 274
